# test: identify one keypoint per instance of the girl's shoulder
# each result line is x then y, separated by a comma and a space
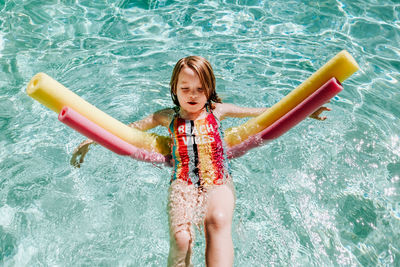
220, 110
165, 112
164, 116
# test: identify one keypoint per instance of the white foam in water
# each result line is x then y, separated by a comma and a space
24, 254
394, 145
7, 215
1, 44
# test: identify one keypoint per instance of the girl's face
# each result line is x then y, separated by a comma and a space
191, 95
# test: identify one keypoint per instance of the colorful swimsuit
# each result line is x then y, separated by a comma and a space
198, 151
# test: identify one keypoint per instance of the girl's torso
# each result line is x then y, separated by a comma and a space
198, 150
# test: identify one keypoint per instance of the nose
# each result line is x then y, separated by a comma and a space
193, 94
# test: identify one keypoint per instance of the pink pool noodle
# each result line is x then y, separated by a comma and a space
290, 119
101, 136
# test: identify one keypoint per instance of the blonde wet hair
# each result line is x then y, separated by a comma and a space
206, 75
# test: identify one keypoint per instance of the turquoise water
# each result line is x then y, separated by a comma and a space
324, 194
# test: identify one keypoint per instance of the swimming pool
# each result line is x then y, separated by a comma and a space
324, 194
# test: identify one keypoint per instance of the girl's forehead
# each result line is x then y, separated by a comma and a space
186, 71
187, 75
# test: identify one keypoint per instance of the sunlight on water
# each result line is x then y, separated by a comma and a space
324, 194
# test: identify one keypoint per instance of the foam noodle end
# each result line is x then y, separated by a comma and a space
347, 67
63, 114
34, 83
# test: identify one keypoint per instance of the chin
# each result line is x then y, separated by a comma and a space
193, 109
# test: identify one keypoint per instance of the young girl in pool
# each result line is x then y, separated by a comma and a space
201, 189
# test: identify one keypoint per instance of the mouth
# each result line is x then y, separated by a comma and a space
192, 103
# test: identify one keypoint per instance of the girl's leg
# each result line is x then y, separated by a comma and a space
180, 249
182, 199
218, 225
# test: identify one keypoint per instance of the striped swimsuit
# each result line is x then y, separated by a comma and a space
198, 151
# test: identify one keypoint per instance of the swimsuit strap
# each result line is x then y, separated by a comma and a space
176, 115
212, 113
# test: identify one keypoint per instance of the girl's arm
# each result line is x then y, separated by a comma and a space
160, 118
224, 110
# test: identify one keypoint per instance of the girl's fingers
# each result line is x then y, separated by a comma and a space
74, 161
82, 157
318, 112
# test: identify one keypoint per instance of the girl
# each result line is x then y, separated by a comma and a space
201, 190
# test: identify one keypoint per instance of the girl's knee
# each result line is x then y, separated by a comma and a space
218, 220
220, 209
182, 240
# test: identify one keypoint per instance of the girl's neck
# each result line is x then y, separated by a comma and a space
192, 116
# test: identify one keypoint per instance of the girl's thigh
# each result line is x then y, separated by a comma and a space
182, 203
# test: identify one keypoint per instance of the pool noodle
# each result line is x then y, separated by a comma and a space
289, 120
341, 67
91, 130
55, 96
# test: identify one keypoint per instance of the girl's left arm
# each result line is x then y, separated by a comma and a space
224, 110
317, 113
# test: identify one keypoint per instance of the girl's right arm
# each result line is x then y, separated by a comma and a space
159, 118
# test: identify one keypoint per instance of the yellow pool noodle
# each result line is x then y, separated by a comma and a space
341, 67
55, 96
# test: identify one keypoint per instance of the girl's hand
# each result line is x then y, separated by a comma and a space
81, 152
316, 114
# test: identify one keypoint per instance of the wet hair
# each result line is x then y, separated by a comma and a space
206, 75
